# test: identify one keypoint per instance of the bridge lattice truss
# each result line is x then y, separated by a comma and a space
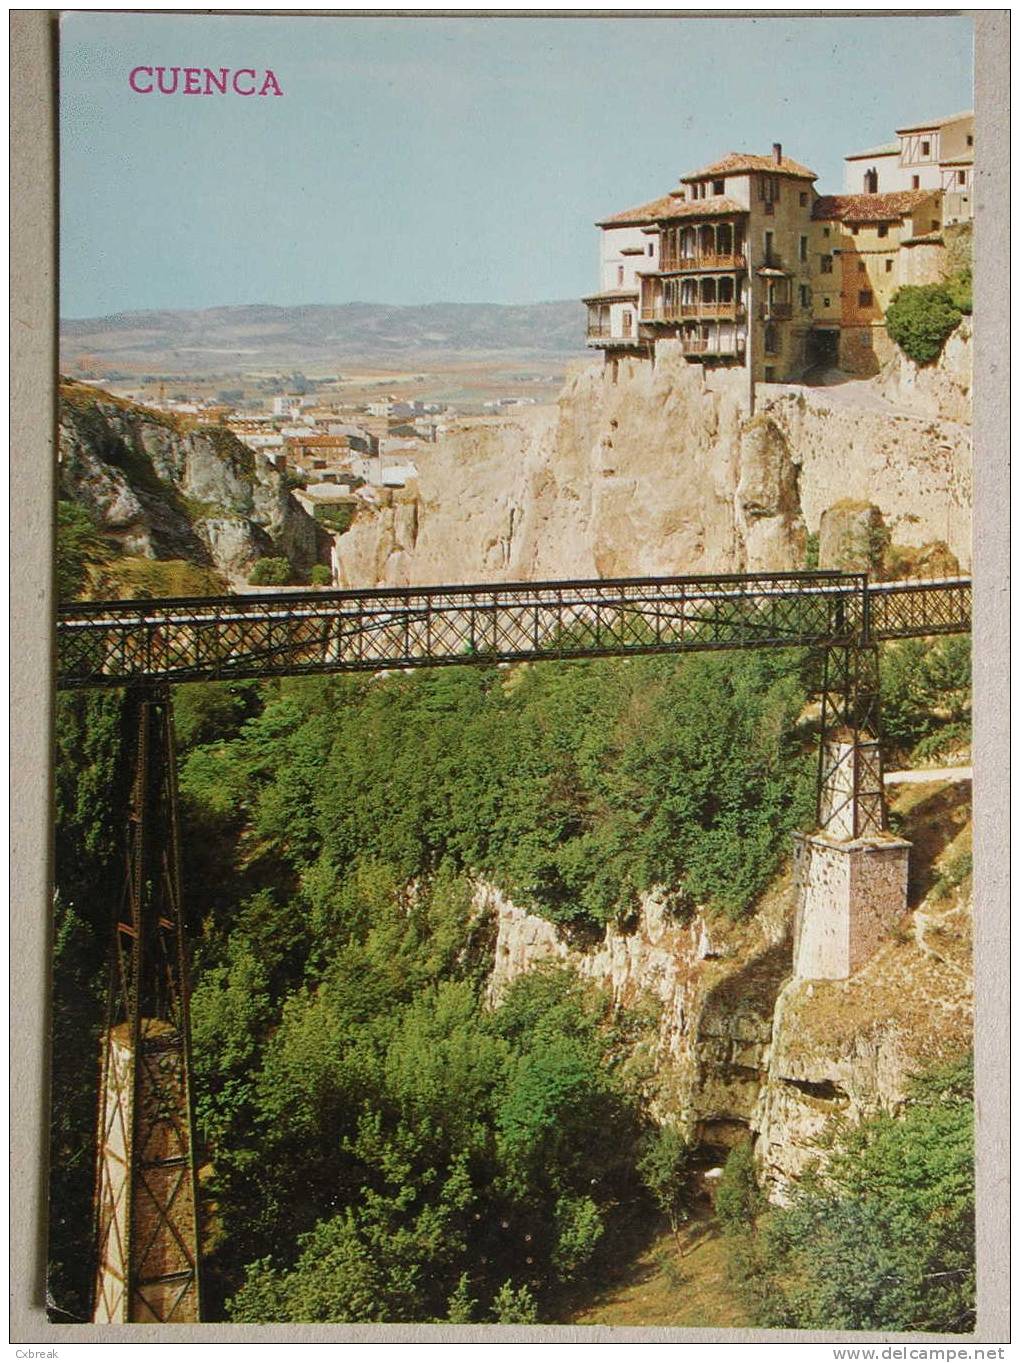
286, 634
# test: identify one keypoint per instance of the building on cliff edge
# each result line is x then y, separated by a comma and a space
749, 268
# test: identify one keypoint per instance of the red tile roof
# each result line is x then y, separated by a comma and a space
887, 149
701, 208
635, 217
856, 208
611, 295
738, 162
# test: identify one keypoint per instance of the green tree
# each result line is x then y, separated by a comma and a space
738, 1199
920, 318
665, 1169
514, 1306
79, 545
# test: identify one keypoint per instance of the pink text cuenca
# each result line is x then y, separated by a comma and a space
202, 80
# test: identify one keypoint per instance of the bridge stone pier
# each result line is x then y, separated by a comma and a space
850, 877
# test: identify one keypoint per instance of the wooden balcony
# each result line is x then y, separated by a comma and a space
710, 348
673, 264
603, 336
687, 312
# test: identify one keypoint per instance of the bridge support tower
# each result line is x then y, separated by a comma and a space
146, 1198
850, 876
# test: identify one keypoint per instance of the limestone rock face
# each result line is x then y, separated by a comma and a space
851, 536
165, 493
658, 470
942, 389
742, 1048
916, 470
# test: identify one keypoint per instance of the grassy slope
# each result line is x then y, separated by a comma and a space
689, 1282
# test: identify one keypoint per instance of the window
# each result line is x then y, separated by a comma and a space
888, 265
770, 373
826, 265
853, 231
619, 275
925, 148
803, 201
771, 338
826, 303
805, 296
883, 229
961, 177
970, 139
769, 236
915, 182
871, 181
628, 321
935, 225
825, 231
864, 299
861, 267
803, 248
651, 248
718, 186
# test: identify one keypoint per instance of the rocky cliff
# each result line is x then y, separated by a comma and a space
158, 491
657, 469
745, 1050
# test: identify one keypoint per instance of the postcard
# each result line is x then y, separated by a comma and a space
512, 738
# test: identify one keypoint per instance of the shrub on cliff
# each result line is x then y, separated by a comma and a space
960, 288
921, 317
270, 572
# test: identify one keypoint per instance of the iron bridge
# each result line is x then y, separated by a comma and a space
274, 634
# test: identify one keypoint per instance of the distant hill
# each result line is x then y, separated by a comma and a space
258, 335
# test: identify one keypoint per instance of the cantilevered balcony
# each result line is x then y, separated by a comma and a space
686, 299
775, 311
709, 260
730, 311
712, 347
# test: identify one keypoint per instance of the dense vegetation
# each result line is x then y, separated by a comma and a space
882, 1236
574, 787
926, 697
382, 1146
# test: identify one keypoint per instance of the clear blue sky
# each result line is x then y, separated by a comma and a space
424, 160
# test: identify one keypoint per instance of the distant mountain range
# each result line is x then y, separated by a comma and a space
258, 335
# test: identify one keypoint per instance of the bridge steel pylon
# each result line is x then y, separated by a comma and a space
146, 1195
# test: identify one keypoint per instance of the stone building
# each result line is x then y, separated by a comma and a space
865, 247
749, 268
722, 263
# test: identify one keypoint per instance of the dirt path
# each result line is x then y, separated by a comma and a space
921, 776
